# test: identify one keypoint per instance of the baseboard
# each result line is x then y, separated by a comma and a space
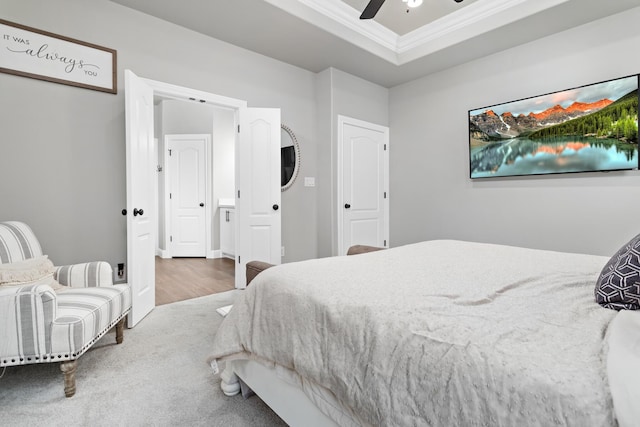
163, 253
219, 254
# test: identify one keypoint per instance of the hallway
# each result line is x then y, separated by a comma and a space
179, 279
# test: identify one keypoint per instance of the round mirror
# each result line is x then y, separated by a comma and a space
289, 157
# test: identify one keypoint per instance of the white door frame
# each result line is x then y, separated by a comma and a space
208, 202
170, 91
344, 120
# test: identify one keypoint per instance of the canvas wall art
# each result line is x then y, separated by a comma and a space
585, 129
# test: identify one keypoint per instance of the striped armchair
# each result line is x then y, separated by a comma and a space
40, 324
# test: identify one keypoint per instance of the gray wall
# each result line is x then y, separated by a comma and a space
62, 150
62, 158
339, 93
432, 196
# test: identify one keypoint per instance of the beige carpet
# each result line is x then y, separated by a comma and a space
158, 376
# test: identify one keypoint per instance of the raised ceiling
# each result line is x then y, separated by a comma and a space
397, 17
394, 48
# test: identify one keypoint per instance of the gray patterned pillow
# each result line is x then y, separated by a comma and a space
618, 286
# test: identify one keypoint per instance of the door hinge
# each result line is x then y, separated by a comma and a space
238, 128
385, 147
238, 194
171, 238
385, 194
239, 260
385, 244
169, 152
170, 195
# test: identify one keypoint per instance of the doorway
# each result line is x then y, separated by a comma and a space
257, 181
197, 139
196, 152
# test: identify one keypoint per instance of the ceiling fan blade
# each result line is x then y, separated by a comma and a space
372, 8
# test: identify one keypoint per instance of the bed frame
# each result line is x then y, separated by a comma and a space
285, 399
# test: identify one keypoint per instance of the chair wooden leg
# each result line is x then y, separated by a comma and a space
68, 368
120, 330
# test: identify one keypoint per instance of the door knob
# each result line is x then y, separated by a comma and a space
137, 212
201, 204
275, 207
124, 211
347, 205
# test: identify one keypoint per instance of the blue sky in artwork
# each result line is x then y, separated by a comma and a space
613, 90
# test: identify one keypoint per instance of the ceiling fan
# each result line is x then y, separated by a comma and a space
374, 6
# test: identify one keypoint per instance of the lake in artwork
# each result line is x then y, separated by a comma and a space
522, 156
585, 129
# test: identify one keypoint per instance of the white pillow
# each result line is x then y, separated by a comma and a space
33, 271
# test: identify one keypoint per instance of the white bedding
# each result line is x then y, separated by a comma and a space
623, 367
436, 333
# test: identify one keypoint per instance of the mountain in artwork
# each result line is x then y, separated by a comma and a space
507, 125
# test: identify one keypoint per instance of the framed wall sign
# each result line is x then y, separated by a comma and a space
28, 52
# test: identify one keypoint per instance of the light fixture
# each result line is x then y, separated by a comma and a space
413, 3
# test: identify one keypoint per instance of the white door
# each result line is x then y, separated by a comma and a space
260, 176
140, 196
187, 192
363, 180
257, 189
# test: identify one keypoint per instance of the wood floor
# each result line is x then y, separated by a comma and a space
179, 279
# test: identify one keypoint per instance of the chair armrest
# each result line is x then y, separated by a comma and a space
362, 249
26, 315
255, 267
86, 275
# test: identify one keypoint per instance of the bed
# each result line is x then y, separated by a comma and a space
435, 333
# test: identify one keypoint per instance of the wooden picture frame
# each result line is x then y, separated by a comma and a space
29, 52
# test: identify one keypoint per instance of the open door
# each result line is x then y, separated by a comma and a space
257, 189
257, 185
140, 193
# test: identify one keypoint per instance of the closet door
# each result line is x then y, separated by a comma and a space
187, 172
363, 184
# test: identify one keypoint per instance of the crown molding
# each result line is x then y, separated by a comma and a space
341, 20
345, 15
468, 22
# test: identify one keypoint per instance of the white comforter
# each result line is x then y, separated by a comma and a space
441, 333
